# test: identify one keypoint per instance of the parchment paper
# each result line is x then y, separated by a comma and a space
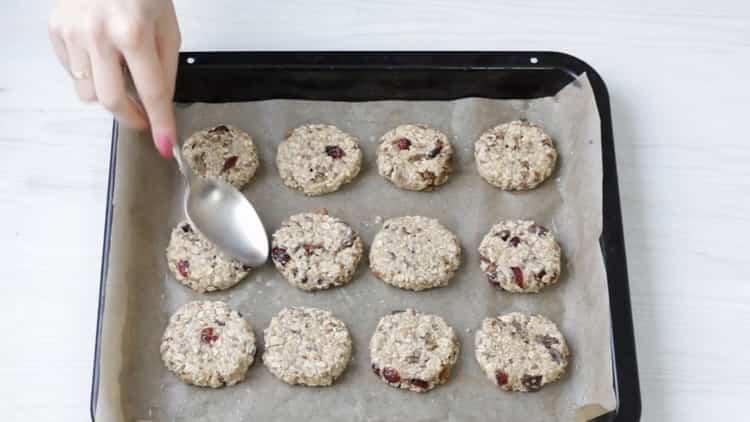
141, 294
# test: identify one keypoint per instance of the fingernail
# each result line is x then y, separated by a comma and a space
164, 145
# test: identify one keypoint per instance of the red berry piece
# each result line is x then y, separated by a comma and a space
229, 163
208, 335
501, 377
184, 268
419, 383
402, 143
279, 255
540, 275
391, 375
334, 152
517, 276
309, 249
514, 241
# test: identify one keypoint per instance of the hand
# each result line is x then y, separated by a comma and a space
99, 41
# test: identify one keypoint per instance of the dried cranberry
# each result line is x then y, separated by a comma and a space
334, 152
183, 267
375, 369
435, 151
219, 129
501, 377
540, 275
514, 241
391, 375
504, 235
279, 255
532, 382
186, 228
402, 143
208, 336
539, 229
229, 163
419, 383
310, 248
517, 276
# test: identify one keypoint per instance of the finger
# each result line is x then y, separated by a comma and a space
58, 45
80, 68
109, 83
153, 89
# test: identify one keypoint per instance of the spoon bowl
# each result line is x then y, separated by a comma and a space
224, 216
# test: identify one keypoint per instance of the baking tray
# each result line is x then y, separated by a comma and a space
240, 76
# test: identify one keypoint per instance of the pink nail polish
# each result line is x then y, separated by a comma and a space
164, 145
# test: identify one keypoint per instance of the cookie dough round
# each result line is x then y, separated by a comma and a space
515, 156
223, 152
520, 256
415, 157
208, 344
198, 264
520, 352
414, 253
315, 251
413, 351
307, 346
318, 159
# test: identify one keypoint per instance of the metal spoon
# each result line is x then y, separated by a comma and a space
224, 216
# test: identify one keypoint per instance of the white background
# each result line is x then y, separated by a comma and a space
677, 73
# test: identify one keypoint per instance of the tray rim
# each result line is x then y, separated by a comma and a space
624, 361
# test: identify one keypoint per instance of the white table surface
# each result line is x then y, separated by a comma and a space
677, 74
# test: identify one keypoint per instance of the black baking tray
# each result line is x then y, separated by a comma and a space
368, 76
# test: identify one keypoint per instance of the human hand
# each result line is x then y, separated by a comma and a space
100, 41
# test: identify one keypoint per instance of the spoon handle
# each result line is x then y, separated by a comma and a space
184, 169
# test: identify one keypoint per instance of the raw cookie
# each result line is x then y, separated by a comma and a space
196, 262
520, 352
208, 344
415, 157
223, 152
315, 251
318, 159
413, 351
520, 256
306, 346
414, 253
515, 156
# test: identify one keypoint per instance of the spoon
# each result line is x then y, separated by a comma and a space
224, 216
